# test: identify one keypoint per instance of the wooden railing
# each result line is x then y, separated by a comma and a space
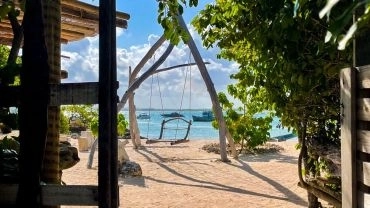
355, 136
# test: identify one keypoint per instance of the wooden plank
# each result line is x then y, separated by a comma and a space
363, 109
348, 137
363, 172
74, 93
54, 195
364, 77
363, 199
363, 141
60, 94
363, 156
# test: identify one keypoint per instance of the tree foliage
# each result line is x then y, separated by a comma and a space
343, 26
168, 10
285, 66
87, 116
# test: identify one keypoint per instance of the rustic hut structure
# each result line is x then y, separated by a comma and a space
78, 20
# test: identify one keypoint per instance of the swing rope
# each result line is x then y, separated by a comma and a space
163, 127
150, 107
187, 70
160, 93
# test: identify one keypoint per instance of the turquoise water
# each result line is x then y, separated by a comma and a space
177, 129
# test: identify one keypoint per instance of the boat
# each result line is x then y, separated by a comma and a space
172, 115
143, 116
205, 117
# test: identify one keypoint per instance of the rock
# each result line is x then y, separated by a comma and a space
68, 155
130, 168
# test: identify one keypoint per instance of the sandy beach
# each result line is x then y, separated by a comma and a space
184, 175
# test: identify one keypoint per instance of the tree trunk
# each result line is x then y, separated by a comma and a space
91, 154
131, 115
134, 130
17, 37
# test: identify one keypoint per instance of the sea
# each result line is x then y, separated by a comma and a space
177, 129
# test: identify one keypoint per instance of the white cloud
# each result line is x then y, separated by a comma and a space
84, 60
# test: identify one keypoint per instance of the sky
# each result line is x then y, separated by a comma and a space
181, 88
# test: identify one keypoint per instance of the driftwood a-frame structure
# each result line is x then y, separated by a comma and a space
36, 94
355, 136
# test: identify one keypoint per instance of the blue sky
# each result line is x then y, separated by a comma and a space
175, 88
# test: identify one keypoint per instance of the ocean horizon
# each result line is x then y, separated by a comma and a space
177, 129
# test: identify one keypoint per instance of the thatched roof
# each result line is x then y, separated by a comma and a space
79, 20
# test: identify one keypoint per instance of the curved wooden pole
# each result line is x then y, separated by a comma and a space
144, 76
223, 132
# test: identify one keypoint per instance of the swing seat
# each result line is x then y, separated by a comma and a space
164, 127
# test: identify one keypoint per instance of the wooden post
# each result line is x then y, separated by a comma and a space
211, 90
52, 28
108, 142
134, 129
34, 97
348, 137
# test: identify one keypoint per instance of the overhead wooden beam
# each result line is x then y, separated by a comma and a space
84, 17
92, 9
90, 17
83, 29
60, 94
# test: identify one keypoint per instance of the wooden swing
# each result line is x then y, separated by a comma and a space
164, 127
166, 123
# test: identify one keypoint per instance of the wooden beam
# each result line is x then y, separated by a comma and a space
85, 16
364, 77
74, 33
54, 195
74, 93
363, 174
363, 109
108, 142
84, 29
363, 199
348, 137
363, 142
91, 8
60, 94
